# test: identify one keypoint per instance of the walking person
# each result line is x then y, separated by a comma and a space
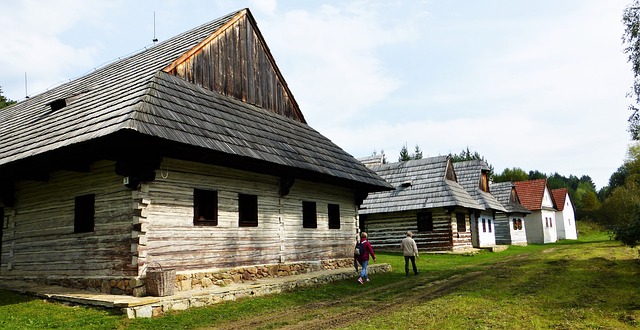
410, 252
364, 257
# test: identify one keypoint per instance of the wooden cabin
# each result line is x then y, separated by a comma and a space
428, 201
536, 197
510, 227
192, 155
565, 215
473, 176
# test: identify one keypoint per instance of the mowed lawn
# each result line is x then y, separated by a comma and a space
592, 283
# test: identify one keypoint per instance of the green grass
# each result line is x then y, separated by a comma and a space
591, 283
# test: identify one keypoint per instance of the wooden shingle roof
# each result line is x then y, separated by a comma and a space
420, 184
506, 194
469, 174
135, 95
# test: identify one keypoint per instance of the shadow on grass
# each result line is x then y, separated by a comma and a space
9, 298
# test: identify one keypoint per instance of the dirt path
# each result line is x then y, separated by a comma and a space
334, 314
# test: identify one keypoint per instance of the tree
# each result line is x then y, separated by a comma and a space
631, 41
417, 154
5, 102
514, 174
404, 154
621, 210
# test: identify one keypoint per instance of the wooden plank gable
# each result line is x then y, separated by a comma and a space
235, 61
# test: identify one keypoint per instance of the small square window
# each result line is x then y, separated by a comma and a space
205, 207
425, 221
84, 213
309, 215
247, 210
334, 216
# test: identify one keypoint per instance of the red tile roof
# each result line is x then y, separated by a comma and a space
531, 193
560, 197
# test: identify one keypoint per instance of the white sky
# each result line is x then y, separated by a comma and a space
539, 85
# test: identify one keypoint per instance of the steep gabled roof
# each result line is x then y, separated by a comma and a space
531, 193
560, 197
506, 194
420, 184
136, 97
469, 174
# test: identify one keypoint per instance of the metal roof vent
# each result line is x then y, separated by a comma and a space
406, 183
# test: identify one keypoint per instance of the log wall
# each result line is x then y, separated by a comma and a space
170, 238
39, 237
388, 229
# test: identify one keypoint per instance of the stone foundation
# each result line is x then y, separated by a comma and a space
186, 281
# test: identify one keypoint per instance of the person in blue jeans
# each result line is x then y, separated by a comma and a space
364, 258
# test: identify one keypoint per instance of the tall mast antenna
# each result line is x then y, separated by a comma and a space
154, 28
26, 92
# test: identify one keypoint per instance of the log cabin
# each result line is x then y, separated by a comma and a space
428, 201
473, 176
192, 156
510, 226
536, 197
565, 215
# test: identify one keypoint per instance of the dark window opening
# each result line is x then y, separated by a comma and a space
84, 214
58, 104
490, 221
205, 207
484, 225
519, 224
515, 224
309, 215
461, 222
247, 210
1, 228
425, 221
334, 216
362, 221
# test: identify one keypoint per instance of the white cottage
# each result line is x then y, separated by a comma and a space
510, 225
192, 155
536, 197
566, 215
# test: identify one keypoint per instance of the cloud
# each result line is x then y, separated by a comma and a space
329, 56
32, 39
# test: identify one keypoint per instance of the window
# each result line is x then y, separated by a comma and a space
551, 222
247, 210
83, 217
461, 221
334, 216
546, 222
425, 221
205, 207
519, 224
309, 215
484, 225
515, 224
489, 221
484, 181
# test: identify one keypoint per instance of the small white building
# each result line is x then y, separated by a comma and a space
535, 195
566, 215
510, 227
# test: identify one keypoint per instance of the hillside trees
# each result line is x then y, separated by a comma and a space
631, 40
5, 102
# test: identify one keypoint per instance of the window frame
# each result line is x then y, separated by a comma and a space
424, 221
461, 216
84, 217
333, 214
205, 205
309, 214
247, 210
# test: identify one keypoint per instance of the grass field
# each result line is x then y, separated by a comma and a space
591, 283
